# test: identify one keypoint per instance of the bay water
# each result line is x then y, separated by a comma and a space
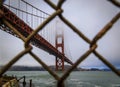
76, 78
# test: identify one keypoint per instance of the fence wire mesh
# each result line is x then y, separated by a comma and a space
58, 12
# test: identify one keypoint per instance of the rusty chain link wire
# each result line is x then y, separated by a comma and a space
58, 12
115, 2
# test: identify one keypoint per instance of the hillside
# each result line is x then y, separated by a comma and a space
35, 68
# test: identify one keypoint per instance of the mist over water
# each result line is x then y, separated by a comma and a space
76, 78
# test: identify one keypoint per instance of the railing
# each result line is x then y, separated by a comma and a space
13, 81
24, 83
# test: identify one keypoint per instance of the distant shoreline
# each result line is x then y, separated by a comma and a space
39, 68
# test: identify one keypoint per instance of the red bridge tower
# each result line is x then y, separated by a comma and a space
60, 46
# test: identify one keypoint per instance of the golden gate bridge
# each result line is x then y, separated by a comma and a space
24, 17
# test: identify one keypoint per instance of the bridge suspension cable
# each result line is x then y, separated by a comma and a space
67, 50
27, 11
33, 17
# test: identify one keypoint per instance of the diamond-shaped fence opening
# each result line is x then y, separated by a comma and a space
28, 49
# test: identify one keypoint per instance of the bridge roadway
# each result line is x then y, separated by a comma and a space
25, 30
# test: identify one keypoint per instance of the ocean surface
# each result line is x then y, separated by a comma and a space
76, 78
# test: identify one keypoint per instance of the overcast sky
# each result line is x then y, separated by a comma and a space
89, 16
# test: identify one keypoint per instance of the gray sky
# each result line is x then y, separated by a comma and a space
89, 16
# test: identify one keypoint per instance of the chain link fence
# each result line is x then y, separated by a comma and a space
92, 49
